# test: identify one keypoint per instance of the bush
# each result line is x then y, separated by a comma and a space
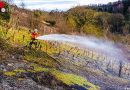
94, 30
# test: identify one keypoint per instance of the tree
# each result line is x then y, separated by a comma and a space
116, 21
71, 23
126, 29
80, 16
102, 21
22, 4
93, 30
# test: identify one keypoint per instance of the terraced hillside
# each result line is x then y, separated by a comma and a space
46, 67
26, 69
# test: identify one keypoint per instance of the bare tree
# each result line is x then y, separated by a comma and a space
22, 4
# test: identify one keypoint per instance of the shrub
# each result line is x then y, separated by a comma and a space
92, 30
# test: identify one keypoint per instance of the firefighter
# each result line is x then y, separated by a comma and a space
34, 35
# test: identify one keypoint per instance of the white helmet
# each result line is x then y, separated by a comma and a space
35, 30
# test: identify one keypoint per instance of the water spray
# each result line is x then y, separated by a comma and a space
98, 45
101, 51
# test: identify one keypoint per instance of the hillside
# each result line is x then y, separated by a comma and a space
78, 20
35, 69
53, 65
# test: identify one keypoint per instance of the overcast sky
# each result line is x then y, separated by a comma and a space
58, 4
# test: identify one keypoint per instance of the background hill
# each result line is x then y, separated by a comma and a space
89, 20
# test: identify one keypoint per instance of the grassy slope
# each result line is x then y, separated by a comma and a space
48, 64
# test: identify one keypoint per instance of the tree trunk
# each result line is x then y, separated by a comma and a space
120, 68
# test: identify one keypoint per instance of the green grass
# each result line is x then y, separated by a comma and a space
66, 78
37, 68
20, 70
16, 36
71, 79
11, 73
41, 58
